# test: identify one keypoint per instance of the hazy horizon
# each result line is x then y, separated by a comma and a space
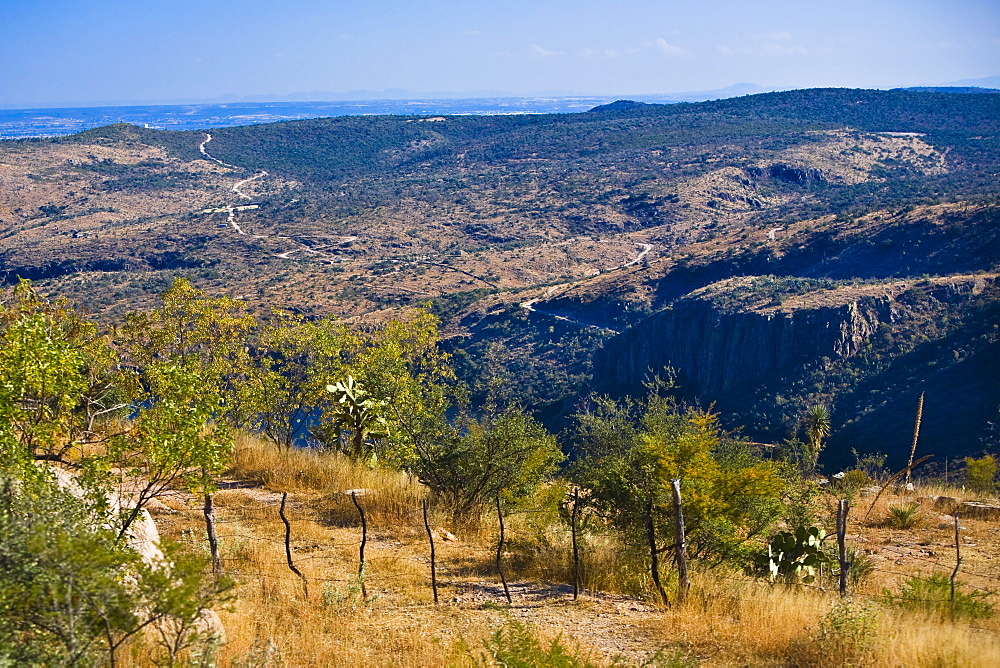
64, 53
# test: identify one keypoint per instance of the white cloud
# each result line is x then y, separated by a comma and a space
599, 53
671, 49
471, 32
772, 37
780, 50
542, 51
764, 49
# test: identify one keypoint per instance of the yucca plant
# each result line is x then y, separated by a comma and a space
861, 566
817, 424
904, 517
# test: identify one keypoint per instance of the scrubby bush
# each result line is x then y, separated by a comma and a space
848, 632
932, 593
71, 593
848, 485
629, 452
517, 646
981, 473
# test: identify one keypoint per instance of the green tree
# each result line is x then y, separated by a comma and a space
59, 380
981, 473
503, 456
401, 367
293, 362
69, 582
174, 437
192, 357
192, 329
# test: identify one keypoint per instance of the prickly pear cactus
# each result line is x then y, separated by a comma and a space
793, 557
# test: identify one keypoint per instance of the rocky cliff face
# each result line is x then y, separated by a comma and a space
762, 349
719, 353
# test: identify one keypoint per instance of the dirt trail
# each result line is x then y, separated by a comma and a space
236, 188
233, 223
316, 252
530, 304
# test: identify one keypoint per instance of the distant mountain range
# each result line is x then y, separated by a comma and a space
405, 95
984, 82
226, 112
959, 90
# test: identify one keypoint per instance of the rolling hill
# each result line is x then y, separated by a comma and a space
780, 250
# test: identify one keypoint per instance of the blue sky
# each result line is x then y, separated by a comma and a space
96, 51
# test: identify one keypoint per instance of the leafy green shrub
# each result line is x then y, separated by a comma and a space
849, 632
802, 500
504, 455
72, 594
517, 646
932, 593
980, 473
629, 451
904, 517
872, 465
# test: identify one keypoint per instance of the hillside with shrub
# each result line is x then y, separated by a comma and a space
194, 484
811, 205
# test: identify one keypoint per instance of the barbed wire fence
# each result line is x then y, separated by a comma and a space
333, 553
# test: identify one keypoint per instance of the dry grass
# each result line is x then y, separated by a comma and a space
728, 620
387, 494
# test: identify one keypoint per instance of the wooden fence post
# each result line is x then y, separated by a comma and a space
364, 541
213, 541
843, 507
958, 562
576, 547
288, 544
503, 579
654, 557
430, 537
683, 583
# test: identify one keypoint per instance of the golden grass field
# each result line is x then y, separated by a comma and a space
727, 620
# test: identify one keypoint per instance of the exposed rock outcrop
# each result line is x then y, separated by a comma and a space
144, 538
719, 353
762, 349
781, 172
